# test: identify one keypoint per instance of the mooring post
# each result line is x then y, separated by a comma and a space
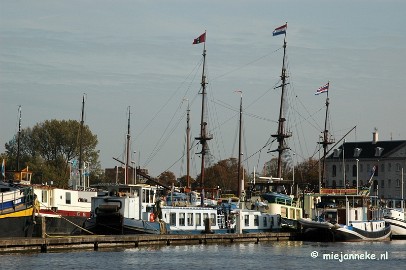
44, 248
96, 246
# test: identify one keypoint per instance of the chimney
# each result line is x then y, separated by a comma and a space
375, 136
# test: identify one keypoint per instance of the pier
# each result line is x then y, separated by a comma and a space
97, 242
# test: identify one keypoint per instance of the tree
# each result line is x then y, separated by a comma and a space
167, 178
182, 181
48, 148
223, 174
307, 173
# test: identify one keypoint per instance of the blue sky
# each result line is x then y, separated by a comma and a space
140, 54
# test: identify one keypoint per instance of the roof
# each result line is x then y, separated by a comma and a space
368, 149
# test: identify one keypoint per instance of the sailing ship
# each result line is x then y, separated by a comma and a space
16, 199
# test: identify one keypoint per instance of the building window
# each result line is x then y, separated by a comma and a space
334, 170
382, 167
382, 183
354, 170
389, 182
397, 183
398, 168
389, 167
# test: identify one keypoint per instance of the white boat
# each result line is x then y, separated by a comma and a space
397, 220
341, 222
63, 210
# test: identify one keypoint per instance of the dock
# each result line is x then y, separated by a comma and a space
96, 242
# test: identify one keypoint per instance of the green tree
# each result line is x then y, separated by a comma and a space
182, 181
48, 148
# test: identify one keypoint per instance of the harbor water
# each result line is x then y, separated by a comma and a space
263, 255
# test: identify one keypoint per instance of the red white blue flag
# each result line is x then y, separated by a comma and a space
322, 89
280, 30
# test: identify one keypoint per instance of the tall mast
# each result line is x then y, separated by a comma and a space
188, 147
127, 149
281, 135
81, 143
326, 141
239, 180
18, 139
203, 125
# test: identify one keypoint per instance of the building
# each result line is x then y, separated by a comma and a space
382, 162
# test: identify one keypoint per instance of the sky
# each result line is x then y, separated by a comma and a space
139, 54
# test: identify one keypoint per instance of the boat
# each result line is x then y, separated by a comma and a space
16, 210
63, 210
397, 220
17, 199
343, 218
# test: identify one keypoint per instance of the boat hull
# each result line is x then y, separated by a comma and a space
398, 227
17, 224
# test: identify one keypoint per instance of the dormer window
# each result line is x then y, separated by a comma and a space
337, 152
357, 152
378, 151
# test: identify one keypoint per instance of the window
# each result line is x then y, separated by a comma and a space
389, 182
256, 220
382, 167
213, 219
265, 222
354, 170
181, 219
398, 168
172, 219
68, 197
397, 183
44, 197
247, 220
389, 167
382, 183
205, 217
190, 219
198, 219
334, 170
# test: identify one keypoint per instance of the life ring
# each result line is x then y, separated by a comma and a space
152, 217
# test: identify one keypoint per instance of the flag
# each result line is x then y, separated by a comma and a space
280, 30
200, 39
322, 89
3, 169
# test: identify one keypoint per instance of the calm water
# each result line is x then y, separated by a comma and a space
267, 255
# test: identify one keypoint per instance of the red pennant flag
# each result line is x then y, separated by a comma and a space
200, 39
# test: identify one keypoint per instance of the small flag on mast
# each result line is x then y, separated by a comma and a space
280, 30
322, 89
200, 39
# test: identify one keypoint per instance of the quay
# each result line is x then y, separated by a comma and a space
96, 242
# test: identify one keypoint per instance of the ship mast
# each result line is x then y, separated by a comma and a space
282, 135
127, 149
188, 147
204, 137
326, 142
18, 139
81, 144
239, 180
